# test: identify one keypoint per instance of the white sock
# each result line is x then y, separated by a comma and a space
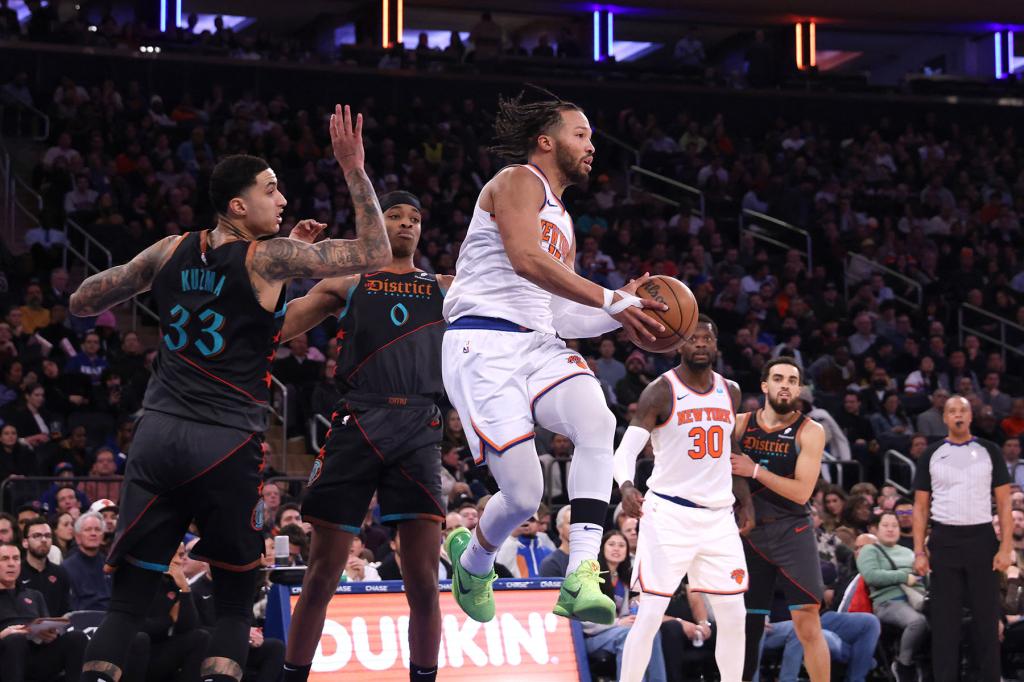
584, 544
476, 559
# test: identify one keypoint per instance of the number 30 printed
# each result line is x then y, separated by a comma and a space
208, 347
706, 442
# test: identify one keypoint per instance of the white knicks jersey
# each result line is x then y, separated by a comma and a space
485, 283
692, 447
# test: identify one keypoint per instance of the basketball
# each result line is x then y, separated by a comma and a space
679, 320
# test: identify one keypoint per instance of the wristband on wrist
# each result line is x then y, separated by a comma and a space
920, 554
757, 467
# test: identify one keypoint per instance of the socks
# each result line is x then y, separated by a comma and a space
420, 674
296, 673
476, 559
584, 544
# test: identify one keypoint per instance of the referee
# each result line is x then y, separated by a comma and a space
955, 482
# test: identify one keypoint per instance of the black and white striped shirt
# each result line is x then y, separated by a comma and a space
960, 478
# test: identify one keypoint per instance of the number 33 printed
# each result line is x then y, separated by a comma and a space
207, 346
706, 442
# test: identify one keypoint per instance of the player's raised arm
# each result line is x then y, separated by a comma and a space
106, 289
811, 440
281, 259
652, 408
327, 298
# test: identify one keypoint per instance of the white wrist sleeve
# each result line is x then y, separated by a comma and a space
632, 444
577, 321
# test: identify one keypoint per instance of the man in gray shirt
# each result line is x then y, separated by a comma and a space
554, 564
930, 421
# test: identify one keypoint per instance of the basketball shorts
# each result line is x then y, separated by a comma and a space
179, 471
676, 541
378, 445
494, 378
785, 549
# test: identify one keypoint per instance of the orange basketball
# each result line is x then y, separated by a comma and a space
679, 320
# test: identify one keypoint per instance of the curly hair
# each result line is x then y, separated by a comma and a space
518, 124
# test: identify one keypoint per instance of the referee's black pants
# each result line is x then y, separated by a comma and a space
962, 575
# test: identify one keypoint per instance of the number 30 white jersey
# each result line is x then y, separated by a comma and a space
488, 286
692, 447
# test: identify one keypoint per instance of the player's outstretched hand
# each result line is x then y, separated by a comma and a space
632, 501
307, 230
347, 138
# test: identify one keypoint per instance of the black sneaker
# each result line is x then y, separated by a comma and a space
904, 673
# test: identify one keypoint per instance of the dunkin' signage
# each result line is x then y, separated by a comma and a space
366, 633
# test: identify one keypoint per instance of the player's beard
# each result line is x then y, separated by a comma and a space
782, 407
568, 166
700, 365
402, 249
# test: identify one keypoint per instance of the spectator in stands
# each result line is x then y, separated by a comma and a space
609, 369
856, 513
289, 514
851, 639
62, 496
16, 459
958, 369
616, 565
524, 550
73, 450
924, 379
89, 362
834, 502
543, 48
469, 514
63, 527
887, 566
689, 50
453, 468
858, 429
271, 496
9, 531
892, 425
1000, 402
629, 388
34, 421
555, 563
1011, 455
33, 315
41, 655
835, 440
90, 585
81, 199
864, 338
486, 38
930, 422
904, 511
1014, 424
39, 573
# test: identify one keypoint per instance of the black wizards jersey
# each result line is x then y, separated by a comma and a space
216, 341
776, 451
390, 336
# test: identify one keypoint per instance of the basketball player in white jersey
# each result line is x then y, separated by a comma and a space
688, 525
505, 369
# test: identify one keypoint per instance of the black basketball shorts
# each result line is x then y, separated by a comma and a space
179, 471
391, 447
785, 549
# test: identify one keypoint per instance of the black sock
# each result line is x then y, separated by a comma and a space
296, 673
418, 673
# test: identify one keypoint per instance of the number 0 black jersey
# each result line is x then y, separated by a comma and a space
217, 341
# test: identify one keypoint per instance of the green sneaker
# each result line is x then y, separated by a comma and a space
472, 593
581, 597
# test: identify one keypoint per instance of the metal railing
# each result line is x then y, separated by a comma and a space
282, 415
761, 234
888, 459
315, 422
912, 285
89, 244
38, 120
1003, 323
839, 466
698, 194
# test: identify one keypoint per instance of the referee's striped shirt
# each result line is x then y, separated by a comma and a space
960, 478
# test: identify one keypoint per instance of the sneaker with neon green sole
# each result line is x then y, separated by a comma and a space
581, 597
474, 594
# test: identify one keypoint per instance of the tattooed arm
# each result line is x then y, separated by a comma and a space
280, 259
106, 289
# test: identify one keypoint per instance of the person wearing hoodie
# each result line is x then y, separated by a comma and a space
40, 655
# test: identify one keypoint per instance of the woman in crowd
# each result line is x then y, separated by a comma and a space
893, 427
33, 419
887, 567
856, 514
64, 533
835, 499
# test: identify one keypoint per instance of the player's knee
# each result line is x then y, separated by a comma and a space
597, 431
807, 623
524, 498
728, 609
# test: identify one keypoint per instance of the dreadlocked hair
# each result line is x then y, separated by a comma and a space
518, 123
